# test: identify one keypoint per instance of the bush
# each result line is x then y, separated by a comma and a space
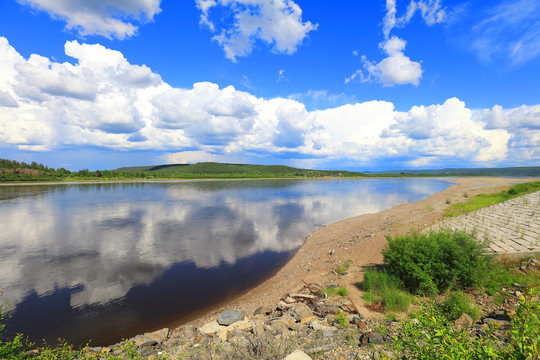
432, 337
435, 262
458, 303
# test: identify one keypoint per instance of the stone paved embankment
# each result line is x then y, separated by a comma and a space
511, 227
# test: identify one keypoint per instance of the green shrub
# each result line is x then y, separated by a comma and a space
457, 303
380, 287
435, 262
433, 337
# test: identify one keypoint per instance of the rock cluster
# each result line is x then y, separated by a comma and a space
299, 326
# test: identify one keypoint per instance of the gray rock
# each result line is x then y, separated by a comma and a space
298, 355
211, 327
258, 328
229, 316
159, 336
189, 331
465, 320
143, 341
301, 311
284, 306
375, 338
504, 324
319, 326
329, 333
263, 310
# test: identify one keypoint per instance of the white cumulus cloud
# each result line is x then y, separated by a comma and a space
109, 18
276, 22
100, 100
397, 68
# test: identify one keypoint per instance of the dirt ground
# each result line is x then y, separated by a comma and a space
360, 239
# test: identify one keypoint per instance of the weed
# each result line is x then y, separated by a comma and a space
448, 201
382, 288
457, 303
342, 291
341, 319
343, 267
327, 292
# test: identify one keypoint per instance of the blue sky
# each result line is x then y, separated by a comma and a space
348, 84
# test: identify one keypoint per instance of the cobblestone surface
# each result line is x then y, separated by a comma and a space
511, 227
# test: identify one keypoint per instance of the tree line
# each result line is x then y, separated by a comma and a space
12, 170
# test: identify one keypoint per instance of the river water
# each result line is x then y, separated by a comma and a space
109, 261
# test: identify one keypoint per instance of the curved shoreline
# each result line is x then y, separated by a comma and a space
360, 239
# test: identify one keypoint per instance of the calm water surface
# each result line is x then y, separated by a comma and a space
108, 261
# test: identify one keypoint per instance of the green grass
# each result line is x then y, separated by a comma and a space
331, 290
483, 200
382, 288
457, 303
343, 267
504, 272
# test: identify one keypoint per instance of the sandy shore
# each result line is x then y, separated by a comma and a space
359, 239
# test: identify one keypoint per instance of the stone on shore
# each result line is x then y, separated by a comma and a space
152, 338
209, 328
298, 355
301, 311
465, 320
230, 316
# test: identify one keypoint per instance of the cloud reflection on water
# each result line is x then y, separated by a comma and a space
102, 240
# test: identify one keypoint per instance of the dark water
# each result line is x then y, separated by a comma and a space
107, 261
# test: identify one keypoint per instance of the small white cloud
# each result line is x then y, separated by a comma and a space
109, 18
396, 69
278, 23
281, 76
430, 10
191, 157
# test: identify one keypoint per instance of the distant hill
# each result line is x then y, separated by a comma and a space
11, 170
506, 171
221, 170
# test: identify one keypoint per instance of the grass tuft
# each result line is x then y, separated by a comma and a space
385, 289
343, 267
457, 303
